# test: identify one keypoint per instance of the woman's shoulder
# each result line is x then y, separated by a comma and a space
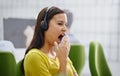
34, 58
36, 53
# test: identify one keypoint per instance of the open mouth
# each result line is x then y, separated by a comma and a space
61, 36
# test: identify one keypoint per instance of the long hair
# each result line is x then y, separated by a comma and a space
38, 37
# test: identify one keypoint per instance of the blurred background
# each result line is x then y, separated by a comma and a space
93, 20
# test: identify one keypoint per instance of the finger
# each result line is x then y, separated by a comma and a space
65, 40
56, 45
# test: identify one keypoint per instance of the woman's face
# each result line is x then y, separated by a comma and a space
57, 29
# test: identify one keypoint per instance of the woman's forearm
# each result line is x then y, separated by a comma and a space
63, 68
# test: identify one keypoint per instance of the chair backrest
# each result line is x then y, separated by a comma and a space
7, 64
77, 56
18, 69
97, 61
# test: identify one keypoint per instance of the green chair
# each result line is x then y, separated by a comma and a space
18, 69
7, 64
77, 56
97, 61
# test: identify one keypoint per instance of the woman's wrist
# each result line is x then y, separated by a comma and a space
63, 67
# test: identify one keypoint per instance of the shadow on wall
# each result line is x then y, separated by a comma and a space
15, 30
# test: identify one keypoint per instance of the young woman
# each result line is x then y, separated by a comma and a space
48, 52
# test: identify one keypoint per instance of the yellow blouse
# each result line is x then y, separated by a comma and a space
37, 63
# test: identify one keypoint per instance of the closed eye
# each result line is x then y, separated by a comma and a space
60, 24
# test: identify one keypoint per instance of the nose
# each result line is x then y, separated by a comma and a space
64, 29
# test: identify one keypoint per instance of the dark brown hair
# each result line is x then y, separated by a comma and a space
38, 37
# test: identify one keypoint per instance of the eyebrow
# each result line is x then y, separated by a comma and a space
60, 21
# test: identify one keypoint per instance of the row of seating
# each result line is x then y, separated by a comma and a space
97, 61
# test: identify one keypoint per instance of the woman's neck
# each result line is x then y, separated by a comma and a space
49, 51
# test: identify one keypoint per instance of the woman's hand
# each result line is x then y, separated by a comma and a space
62, 52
